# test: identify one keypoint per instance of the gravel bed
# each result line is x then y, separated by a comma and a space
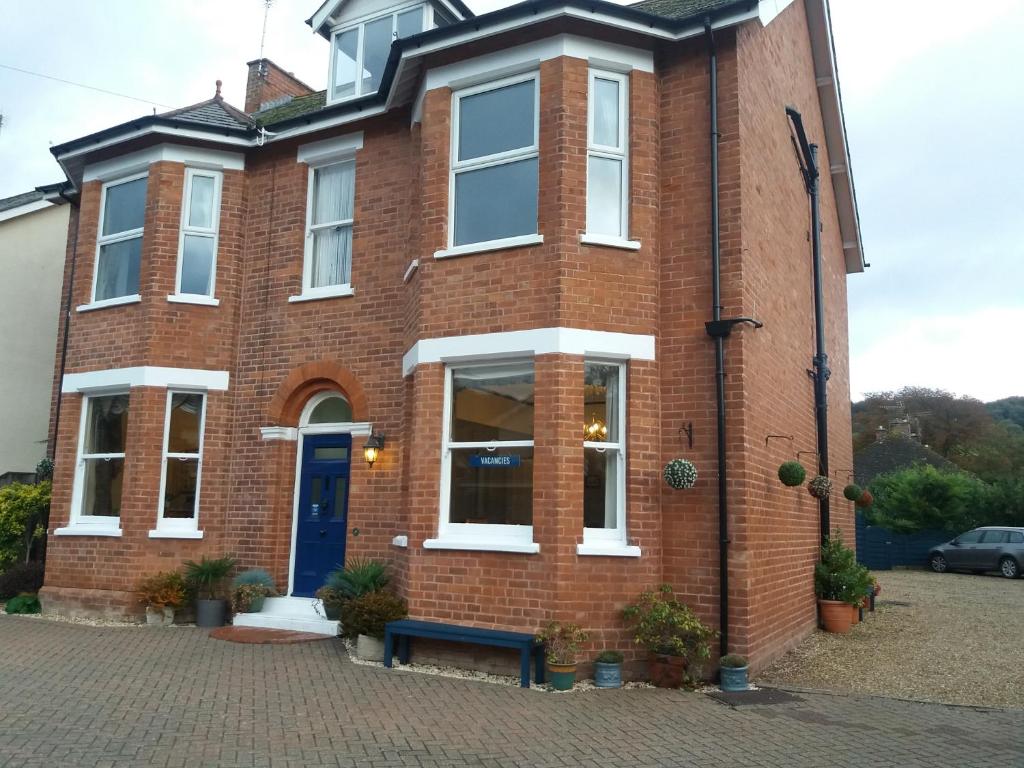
950, 638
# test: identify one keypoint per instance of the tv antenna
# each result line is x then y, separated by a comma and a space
266, 13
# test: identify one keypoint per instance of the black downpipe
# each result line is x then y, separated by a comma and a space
52, 447
820, 373
716, 291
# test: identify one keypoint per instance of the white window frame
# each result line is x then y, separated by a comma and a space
612, 541
487, 161
360, 24
179, 527
475, 536
619, 152
103, 525
212, 232
118, 237
310, 293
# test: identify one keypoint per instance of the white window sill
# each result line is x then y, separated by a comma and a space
526, 548
193, 298
104, 303
87, 530
610, 242
518, 241
172, 534
335, 291
607, 549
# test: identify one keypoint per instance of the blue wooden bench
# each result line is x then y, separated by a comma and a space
406, 629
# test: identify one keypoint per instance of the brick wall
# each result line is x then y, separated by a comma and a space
267, 82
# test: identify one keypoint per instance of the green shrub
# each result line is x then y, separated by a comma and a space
733, 661
360, 577
838, 575
852, 492
792, 473
610, 657
255, 576
208, 575
22, 509
26, 603
163, 589
663, 625
243, 596
925, 498
367, 615
21, 577
562, 642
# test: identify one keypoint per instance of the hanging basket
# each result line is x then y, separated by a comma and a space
866, 499
820, 487
852, 492
792, 473
680, 473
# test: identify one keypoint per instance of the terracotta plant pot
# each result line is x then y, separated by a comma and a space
854, 614
667, 671
562, 676
835, 615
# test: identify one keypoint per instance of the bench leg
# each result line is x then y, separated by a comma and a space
538, 662
389, 647
524, 668
403, 649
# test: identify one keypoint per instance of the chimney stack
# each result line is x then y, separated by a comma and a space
267, 83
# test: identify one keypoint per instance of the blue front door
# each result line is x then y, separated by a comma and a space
322, 516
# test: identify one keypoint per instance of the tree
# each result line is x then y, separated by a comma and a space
1008, 409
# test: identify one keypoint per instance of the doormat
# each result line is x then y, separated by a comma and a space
760, 696
260, 636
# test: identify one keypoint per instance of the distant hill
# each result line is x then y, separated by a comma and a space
1008, 409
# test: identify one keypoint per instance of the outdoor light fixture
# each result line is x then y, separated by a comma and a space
374, 445
595, 431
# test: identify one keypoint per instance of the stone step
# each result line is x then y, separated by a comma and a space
297, 614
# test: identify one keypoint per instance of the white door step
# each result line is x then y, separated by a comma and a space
298, 614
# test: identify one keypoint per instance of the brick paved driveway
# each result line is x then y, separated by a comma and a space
90, 696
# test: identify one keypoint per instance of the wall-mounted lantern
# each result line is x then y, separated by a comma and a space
374, 445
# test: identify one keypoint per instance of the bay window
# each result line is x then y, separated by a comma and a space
360, 53
487, 458
200, 221
119, 245
99, 475
182, 461
494, 169
604, 453
607, 156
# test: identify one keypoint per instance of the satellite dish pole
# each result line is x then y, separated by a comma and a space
263, 37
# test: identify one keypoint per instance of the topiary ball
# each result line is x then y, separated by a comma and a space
792, 473
820, 487
680, 473
866, 499
852, 492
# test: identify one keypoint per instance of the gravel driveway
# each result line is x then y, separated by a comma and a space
951, 638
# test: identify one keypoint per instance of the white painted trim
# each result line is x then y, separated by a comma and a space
618, 153
413, 266
135, 162
22, 210
121, 236
158, 533
212, 232
604, 538
145, 376
539, 341
180, 525
330, 150
610, 242
290, 434
519, 241
354, 428
105, 303
193, 298
82, 529
523, 58
607, 550
482, 545
400, 541
327, 292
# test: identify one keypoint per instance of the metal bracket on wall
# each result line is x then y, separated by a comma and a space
777, 437
687, 429
849, 473
812, 453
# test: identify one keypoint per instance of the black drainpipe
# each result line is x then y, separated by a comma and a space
808, 155
67, 327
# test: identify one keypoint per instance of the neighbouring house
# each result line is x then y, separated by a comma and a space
482, 257
33, 241
892, 451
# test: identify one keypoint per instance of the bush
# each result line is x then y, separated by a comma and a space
208, 575
243, 595
792, 473
610, 657
925, 498
852, 492
562, 642
838, 575
367, 615
360, 577
663, 625
257, 576
22, 577
163, 589
732, 661
22, 509
23, 604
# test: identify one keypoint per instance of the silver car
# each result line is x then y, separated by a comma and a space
991, 548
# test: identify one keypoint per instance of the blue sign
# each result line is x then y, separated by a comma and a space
494, 461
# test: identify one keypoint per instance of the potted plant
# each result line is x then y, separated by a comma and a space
162, 593
820, 487
792, 473
671, 632
680, 473
608, 669
865, 500
562, 643
852, 492
250, 589
838, 584
207, 577
361, 576
332, 600
365, 618
733, 672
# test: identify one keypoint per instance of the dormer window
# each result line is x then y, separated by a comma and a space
359, 53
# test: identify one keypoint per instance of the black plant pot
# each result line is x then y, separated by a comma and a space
211, 613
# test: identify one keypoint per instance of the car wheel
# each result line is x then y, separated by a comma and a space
938, 563
1009, 568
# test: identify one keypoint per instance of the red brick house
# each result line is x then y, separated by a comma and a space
488, 249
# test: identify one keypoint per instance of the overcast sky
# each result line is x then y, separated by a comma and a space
934, 105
